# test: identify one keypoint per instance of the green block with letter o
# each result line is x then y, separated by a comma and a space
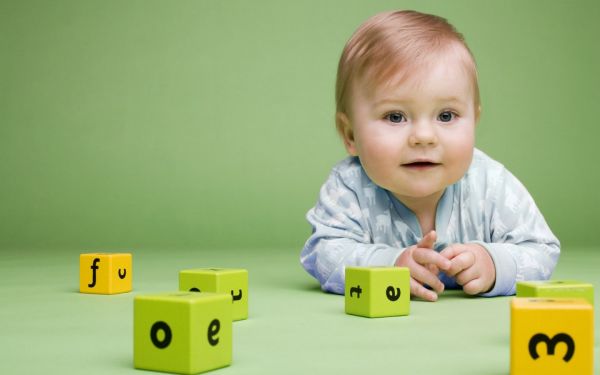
377, 291
182, 332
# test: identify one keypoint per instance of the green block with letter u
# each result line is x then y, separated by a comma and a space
219, 280
377, 291
182, 332
555, 289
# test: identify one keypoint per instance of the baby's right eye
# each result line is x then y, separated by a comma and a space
395, 117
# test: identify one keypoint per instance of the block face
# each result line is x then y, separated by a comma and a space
219, 280
377, 291
105, 273
551, 336
556, 288
182, 332
357, 291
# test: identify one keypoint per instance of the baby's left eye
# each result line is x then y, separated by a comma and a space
446, 116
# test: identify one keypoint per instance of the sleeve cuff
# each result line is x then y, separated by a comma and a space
384, 257
506, 270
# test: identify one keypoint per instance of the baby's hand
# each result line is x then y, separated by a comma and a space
472, 267
423, 263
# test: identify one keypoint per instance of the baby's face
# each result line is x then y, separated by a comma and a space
417, 137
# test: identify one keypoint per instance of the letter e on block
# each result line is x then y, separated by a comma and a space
182, 332
551, 336
377, 291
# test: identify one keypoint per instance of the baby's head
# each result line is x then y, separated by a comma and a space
407, 102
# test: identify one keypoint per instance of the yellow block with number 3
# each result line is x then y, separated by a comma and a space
551, 336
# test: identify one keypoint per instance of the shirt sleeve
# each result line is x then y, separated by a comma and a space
522, 245
340, 237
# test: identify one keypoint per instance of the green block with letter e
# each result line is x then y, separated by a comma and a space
182, 332
377, 291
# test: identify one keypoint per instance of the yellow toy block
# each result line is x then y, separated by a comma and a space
182, 332
105, 273
219, 280
551, 336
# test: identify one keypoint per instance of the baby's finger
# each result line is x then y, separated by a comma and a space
428, 241
418, 290
424, 276
428, 256
452, 251
433, 269
466, 276
474, 286
460, 262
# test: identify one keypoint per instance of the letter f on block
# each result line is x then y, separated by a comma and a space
94, 267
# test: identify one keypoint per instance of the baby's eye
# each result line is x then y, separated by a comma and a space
395, 117
446, 116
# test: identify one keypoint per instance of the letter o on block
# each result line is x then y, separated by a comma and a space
182, 332
551, 336
377, 291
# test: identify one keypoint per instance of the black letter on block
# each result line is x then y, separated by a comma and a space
194, 290
124, 273
357, 290
389, 292
158, 326
551, 345
236, 297
213, 330
94, 268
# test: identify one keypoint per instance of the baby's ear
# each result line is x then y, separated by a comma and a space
477, 114
345, 131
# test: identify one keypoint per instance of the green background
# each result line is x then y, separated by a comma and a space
129, 125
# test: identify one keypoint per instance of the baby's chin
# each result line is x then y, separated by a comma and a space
418, 194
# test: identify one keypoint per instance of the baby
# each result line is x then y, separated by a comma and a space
415, 192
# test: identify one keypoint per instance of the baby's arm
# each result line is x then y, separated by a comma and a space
521, 247
341, 238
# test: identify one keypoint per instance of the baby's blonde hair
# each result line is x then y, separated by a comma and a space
392, 46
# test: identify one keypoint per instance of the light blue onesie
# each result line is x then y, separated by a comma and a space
357, 223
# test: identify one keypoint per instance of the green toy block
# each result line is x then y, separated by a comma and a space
219, 280
556, 288
182, 332
377, 291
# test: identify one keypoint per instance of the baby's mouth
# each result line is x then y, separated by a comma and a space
420, 165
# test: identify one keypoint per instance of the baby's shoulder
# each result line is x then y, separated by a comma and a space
350, 172
352, 175
484, 168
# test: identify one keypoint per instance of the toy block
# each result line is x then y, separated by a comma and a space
551, 336
105, 273
556, 288
219, 280
182, 332
377, 291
